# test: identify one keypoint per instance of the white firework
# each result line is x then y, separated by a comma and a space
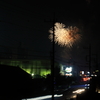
64, 36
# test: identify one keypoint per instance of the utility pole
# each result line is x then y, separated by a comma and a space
90, 59
53, 60
53, 56
96, 61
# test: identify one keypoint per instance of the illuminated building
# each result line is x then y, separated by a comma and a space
34, 67
32, 62
38, 66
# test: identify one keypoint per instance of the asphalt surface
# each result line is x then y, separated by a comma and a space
65, 95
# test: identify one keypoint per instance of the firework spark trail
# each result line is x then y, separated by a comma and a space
64, 36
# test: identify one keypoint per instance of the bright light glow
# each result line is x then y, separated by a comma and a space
64, 36
68, 74
86, 87
68, 69
87, 84
88, 72
60, 95
32, 74
92, 75
74, 96
43, 97
98, 91
95, 75
79, 91
82, 72
86, 78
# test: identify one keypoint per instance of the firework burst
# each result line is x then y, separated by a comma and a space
64, 36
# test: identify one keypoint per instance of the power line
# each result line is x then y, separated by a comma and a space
37, 54
10, 47
6, 55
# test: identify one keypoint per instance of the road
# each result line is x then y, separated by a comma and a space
71, 93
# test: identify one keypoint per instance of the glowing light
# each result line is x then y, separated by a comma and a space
64, 36
32, 74
68, 69
87, 84
98, 91
82, 72
74, 96
86, 78
43, 97
69, 74
79, 91
88, 72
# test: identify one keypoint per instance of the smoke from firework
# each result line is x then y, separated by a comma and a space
64, 36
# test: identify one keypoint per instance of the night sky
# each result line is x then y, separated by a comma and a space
26, 23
